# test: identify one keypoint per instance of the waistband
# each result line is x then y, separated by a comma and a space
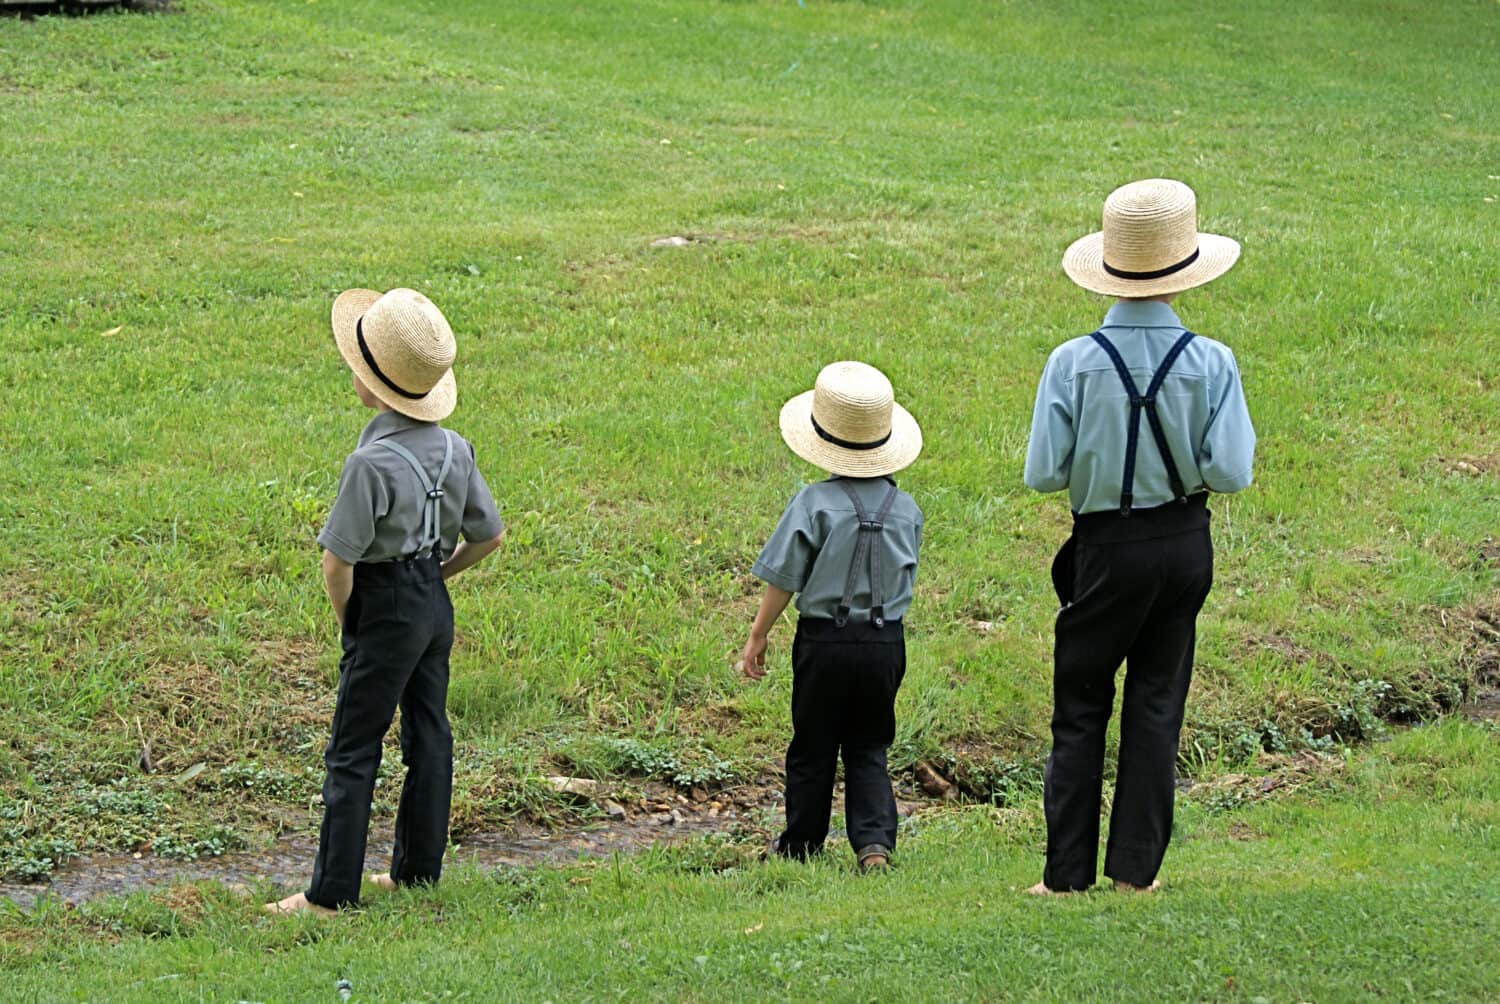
825, 629
1110, 527
398, 571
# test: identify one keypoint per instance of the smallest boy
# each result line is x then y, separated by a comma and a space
391, 540
847, 547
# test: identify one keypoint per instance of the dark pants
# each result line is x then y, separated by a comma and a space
844, 683
398, 630
1131, 588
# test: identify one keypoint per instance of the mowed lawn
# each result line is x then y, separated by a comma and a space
1376, 881
185, 193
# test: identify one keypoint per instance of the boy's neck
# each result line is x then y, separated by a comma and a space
1166, 298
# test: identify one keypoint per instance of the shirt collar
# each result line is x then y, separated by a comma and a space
385, 424
849, 477
1141, 314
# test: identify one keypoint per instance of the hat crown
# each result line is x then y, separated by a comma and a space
852, 401
1150, 225
409, 339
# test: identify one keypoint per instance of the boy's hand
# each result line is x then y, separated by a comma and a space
753, 658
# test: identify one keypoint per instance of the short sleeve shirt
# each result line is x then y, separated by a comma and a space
378, 514
813, 546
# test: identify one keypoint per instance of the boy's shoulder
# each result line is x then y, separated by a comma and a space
1085, 350
829, 495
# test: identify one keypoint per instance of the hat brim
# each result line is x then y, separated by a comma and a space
888, 458
434, 406
1084, 263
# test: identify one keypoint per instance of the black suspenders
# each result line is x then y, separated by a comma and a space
1145, 402
865, 542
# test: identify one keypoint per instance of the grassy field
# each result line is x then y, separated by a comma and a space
892, 182
1375, 880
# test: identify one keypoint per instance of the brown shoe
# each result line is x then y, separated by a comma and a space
873, 858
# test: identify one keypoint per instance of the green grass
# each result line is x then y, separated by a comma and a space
186, 193
1375, 881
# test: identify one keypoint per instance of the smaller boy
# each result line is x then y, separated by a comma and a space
847, 547
391, 540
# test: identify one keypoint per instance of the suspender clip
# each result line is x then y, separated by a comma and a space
877, 617
841, 616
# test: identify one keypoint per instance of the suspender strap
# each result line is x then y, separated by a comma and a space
864, 543
432, 506
1145, 402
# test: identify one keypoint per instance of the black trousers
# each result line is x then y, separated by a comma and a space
844, 683
398, 631
1131, 590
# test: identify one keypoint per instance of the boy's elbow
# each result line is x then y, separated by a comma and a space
484, 548
1044, 483
1230, 483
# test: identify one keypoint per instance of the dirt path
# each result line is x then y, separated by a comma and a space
288, 863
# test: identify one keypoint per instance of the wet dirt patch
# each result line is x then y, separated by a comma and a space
1242, 831
1473, 466
287, 864
1288, 649
1480, 659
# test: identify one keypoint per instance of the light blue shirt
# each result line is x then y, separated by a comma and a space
1082, 411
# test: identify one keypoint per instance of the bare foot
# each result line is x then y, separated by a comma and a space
298, 903
383, 881
1127, 887
1040, 889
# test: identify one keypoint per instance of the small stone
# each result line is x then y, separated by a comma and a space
614, 809
675, 241
677, 817
580, 786
662, 818
698, 795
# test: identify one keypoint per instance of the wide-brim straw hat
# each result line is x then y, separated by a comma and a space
401, 347
1150, 244
850, 423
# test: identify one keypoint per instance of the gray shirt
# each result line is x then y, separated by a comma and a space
810, 552
1079, 427
377, 515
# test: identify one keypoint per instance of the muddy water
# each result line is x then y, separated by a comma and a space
287, 864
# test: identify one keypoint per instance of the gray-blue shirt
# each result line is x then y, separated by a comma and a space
811, 550
377, 515
1079, 426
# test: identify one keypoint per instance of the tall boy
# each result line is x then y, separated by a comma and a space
847, 547
391, 540
1139, 565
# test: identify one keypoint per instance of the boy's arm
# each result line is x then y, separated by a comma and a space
1049, 453
338, 581
469, 553
753, 658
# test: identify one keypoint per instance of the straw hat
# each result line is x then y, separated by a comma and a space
850, 423
1150, 245
400, 346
